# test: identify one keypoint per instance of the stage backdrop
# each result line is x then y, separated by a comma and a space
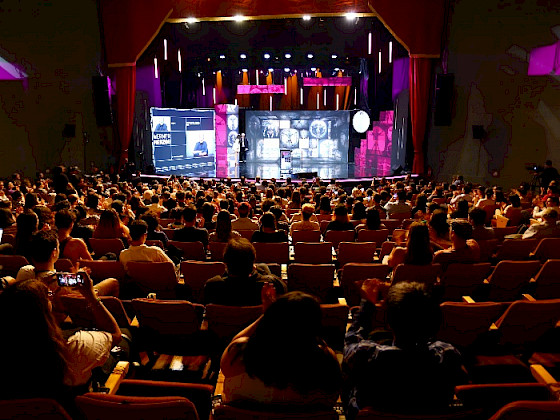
313, 136
183, 141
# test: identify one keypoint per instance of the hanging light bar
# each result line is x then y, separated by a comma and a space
156, 74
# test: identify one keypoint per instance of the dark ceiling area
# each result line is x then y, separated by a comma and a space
217, 45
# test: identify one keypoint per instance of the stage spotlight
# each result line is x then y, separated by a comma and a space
244, 70
310, 55
239, 18
334, 56
351, 16
306, 17
192, 20
243, 56
313, 68
222, 56
288, 55
270, 70
336, 69
287, 69
266, 56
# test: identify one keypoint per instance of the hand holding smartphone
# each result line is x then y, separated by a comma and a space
70, 279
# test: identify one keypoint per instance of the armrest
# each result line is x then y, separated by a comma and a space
342, 301
542, 375
116, 377
135, 322
468, 299
528, 297
219, 385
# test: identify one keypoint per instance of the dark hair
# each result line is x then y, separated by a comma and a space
358, 211
27, 223
137, 229
239, 257
268, 220
462, 229
418, 248
63, 219
42, 244
31, 200
39, 350
243, 209
373, 221
189, 213
92, 201
223, 225
288, 333
515, 200
208, 210
6, 218
109, 219
151, 220
478, 216
413, 315
439, 224
325, 203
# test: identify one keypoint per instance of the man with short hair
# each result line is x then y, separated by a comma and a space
241, 284
307, 211
190, 233
477, 218
398, 206
243, 222
138, 250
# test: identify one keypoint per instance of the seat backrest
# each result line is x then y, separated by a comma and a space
155, 242
168, 317
516, 249
271, 252
323, 225
246, 233
315, 279
377, 236
338, 236
306, 236
101, 270
11, 264
156, 277
101, 247
63, 264
217, 250
547, 284
226, 321
196, 273
313, 252
487, 248
116, 407
426, 274
357, 252
386, 249
534, 410
334, 323
191, 250
500, 232
399, 236
392, 224
81, 315
464, 323
355, 272
32, 408
371, 414
525, 322
399, 216
226, 412
169, 232
165, 222
8, 238
463, 279
509, 277
547, 249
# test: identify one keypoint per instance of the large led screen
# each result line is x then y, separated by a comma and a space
183, 141
315, 136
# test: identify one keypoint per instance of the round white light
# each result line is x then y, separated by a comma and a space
244, 70
266, 56
306, 17
288, 55
361, 121
192, 20
287, 69
309, 55
313, 68
334, 56
243, 56
222, 56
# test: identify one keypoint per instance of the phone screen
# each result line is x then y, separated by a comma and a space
69, 279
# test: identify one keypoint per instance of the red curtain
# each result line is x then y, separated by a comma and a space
125, 78
420, 76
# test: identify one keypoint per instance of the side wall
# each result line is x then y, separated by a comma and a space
520, 114
57, 43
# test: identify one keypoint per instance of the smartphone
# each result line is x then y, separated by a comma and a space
70, 279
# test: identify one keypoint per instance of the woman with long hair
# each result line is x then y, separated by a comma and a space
110, 226
281, 358
373, 222
224, 231
359, 211
439, 230
418, 250
295, 202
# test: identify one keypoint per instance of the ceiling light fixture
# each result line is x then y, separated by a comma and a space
306, 17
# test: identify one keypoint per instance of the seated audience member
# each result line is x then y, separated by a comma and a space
548, 228
462, 210
306, 223
241, 284
463, 248
420, 209
487, 201
74, 249
268, 231
377, 199
223, 232
513, 211
324, 205
552, 202
44, 253
358, 211
439, 230
155, 206
281, 219
373, 222
398, 205
378, 375
298, 217
418, 250
281, 360
42, 363
111, 227
189, 232
243, 222
138, 250
154, 234
477, 217
208, 210
340, 221
27, 224
176, 213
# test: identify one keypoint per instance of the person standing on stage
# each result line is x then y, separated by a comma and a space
243, 147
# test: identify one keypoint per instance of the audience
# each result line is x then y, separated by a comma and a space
268, 231
224, 231
463, 248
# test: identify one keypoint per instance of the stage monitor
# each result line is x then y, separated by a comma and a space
313, 136
183, 141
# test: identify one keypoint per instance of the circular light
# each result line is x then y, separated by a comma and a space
334, 56
288, 55
361, 121
239, 18
243, 56
351, 16
306, 17
287, 69
266, 56
192, 20
244, 70
309, 55
270, 70
222, 56
336, 69
313, 68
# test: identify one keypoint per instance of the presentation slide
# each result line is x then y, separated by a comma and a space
183, 141
316, 136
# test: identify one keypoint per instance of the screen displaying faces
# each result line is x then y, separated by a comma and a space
183, 141
316, 136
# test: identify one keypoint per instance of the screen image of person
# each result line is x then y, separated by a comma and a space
200, 148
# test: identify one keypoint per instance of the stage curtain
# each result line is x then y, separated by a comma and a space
312, 96
290, 100
125, 79
420, 77
343, 93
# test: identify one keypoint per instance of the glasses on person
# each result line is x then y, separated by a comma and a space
50, 295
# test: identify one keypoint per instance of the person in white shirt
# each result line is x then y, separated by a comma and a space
243, 222
466, 195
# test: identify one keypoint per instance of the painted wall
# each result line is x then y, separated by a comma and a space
521, 114
57, 43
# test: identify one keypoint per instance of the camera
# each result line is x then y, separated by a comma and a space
70, 279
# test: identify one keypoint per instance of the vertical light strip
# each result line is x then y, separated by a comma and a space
214, 95
285, 85
203, 88
179, 60
390, 52
301, 96
355, 96
156, 75
165, 49
337, 101
325, 97
235, 101
257, 76
369, 43
379, 61
270, 102
317, 100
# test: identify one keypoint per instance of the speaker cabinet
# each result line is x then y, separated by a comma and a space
444, 99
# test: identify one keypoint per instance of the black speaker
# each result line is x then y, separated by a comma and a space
102, 101
69, 131
444, 99
478, 132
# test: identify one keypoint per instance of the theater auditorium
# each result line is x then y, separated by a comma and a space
280, 210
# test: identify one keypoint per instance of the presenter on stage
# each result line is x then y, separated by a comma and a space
201, 148
243, 147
